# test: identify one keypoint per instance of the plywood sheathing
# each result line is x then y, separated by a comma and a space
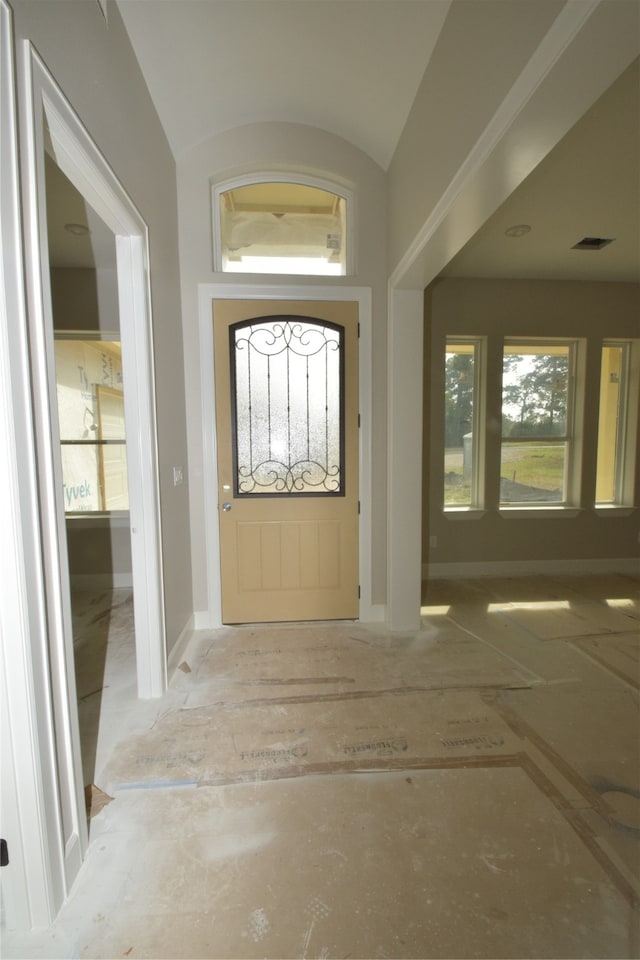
301, 663
470, 790
331, 697
439, 863
268, 741
616, 653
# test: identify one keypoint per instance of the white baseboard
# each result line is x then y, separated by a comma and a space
202, 620
101, 581
177, 650
375, 613
526, 568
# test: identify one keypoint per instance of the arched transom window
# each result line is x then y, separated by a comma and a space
280, 227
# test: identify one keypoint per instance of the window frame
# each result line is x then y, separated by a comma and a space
331, 186
627, 426
478, 421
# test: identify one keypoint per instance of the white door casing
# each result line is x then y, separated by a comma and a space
44, 721
33, 881
51, 122
207, 294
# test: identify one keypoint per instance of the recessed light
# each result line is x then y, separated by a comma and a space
77, 229
517, 230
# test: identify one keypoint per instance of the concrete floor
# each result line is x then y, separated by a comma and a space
331, 790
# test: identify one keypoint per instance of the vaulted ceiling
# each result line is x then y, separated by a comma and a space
353, 67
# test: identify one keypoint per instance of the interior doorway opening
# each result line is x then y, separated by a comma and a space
52, 131
90, 393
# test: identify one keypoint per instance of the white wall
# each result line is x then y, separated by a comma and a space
281, 147
481, 51
506, 82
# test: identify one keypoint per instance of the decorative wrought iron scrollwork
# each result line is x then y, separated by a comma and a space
287, 375
292, 478
273, 337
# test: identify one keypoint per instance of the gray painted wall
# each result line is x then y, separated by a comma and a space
494, 308
102, 80
282, 147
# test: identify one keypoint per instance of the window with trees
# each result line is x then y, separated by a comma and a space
537, 393
460, 429
548, 413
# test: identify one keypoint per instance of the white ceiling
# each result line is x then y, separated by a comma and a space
351, 67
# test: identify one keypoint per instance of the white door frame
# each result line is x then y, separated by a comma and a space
82, 163
33, 882
42, 788
207, 293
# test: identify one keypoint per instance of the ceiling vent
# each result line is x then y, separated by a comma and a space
592, 243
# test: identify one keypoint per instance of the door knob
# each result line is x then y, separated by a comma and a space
226, 506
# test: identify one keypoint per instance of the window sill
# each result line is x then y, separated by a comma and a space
547, 512
113, 518
613, 510
463, 513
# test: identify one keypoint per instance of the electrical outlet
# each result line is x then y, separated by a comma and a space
177, 476
433, 541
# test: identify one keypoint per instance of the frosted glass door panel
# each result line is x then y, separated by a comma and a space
287, 376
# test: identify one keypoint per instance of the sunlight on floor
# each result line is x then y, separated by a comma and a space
621, 603
530, 605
